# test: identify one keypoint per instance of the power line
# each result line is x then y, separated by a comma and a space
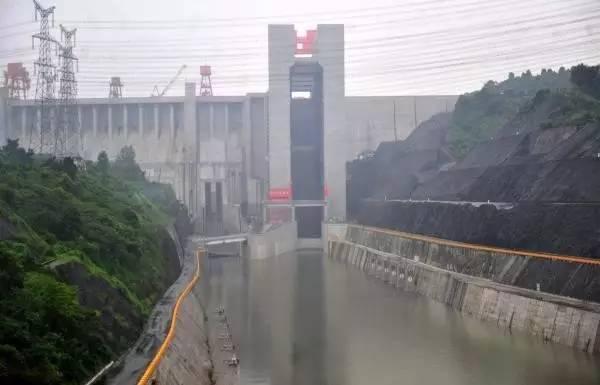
360, 13
397, 17
430, 75
565, 45
553, 61
387, 44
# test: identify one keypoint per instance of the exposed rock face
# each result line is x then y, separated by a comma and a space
121, 320
117, 313
549, 175
565, 229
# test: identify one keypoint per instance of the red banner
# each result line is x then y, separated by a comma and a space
280, 194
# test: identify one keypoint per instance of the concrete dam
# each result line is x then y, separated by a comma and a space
280, 284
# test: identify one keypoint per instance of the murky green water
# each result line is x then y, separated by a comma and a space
306, 320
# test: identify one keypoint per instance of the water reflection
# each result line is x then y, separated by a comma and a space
309, 344
305, 320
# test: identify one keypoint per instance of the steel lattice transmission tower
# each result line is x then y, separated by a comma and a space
68, 122
46, 77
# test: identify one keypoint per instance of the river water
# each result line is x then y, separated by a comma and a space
304, 319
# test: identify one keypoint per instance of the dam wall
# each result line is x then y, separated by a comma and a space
487, 283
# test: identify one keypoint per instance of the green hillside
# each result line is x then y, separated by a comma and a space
82, 261
483, 114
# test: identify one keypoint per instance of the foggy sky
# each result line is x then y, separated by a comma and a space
392, 47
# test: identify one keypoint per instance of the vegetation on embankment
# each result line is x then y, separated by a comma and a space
84, 255
549, 99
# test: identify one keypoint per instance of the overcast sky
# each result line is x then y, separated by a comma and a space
392, 47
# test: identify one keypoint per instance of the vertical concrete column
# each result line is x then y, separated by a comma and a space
226, 120
225, 188
95, 120
156, 122
53, 118
172, 119
189, 122
125, 130
79, 120
201, 196
415, 117
38, 122
211, 121
247, 153
23, 123
79, 140
110, 128
4, 116
141, 119
190, 139
282, 47
330, 54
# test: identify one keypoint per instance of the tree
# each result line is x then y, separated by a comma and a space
587, 78
103, 164
70, 224
69, 167
489, 85
12, 153
126, 155
125, 165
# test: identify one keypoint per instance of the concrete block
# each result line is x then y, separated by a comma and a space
278, 240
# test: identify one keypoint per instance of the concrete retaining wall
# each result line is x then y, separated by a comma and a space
510, 267
187, 360
187, 355
277, 240
554, 318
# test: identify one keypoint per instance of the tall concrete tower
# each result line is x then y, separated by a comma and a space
306, 121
